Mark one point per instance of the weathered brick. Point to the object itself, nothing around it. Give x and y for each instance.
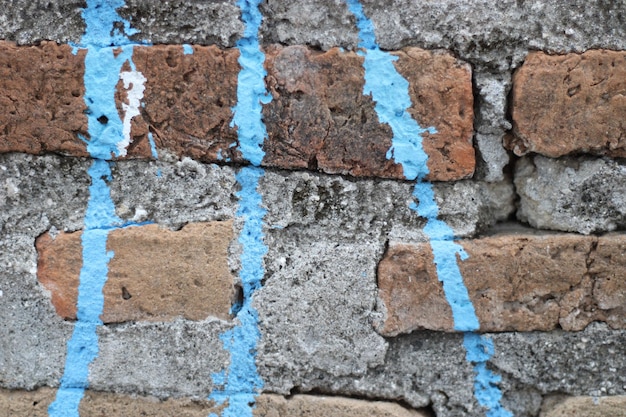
(319, 406)
(41, 97)
(519, 282)
(574, 103)
(156, 274)
(20, 403)
(583, 406)
(320, 119)
(188, 100)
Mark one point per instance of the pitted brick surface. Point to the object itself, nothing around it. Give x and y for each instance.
(155, 274)
(188, 100)
(319, 118)
(570, 104)
(41, 99)
(515, 282)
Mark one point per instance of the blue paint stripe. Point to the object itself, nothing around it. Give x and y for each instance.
(389, 91)
(102, 69)
(241, 382)
(251, 91)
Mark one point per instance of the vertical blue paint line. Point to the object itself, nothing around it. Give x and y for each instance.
(241, 382)
(389, 90)
(102, 73)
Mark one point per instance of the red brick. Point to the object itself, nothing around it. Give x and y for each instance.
(574, 103)
(41, 97)
(188, 100)
(156, 274)
(320, 119)
(515, 282)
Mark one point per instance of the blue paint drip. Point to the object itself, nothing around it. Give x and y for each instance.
(187, 49)
(102, 68)
(242, 381)
(153, 148)
(479, 350)
(82, 348)
(251, 91)
(100, 17)
(389, 90)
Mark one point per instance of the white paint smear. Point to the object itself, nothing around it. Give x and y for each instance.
(134, 84)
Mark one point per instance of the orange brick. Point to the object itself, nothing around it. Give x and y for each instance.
(515, 282)
(318, 118)
(156, 274)
(566, 104)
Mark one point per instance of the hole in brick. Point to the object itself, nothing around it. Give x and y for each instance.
(103, 119)
(125, 294)
(238, 300)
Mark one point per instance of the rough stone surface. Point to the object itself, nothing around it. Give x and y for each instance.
(429, 368)
(183, 21)
(492, 91)
(35, 404)
(42, 99)
(592, 364)
(188, 101)
(329, 291)
(566, 104)
(155, 274)
(347, 209)
(171, 359)
(571, 194)
(318, 406)
(523, 282)
(584, 406)
(27, 22)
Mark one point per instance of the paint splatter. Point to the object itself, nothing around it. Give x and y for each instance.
(108, 135)
(389, 90)
(241, 382)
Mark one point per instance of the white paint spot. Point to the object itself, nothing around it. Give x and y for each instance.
(134, 84)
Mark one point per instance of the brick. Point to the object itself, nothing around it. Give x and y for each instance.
(188, 100)
(155, 275)
(319, 118)
(520, 282)
(584, 406)
(319, 406)
(41, 97)
(20, 403)
(566, 104)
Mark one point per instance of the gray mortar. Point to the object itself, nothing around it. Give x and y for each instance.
(160, 359)
(32, 336)
(429, 368)
(185, 21)
(344, 209)
(581, 195)
(173, 193)
(315, 310)
(30, 21)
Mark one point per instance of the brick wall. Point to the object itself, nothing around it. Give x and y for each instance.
(312, 208)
